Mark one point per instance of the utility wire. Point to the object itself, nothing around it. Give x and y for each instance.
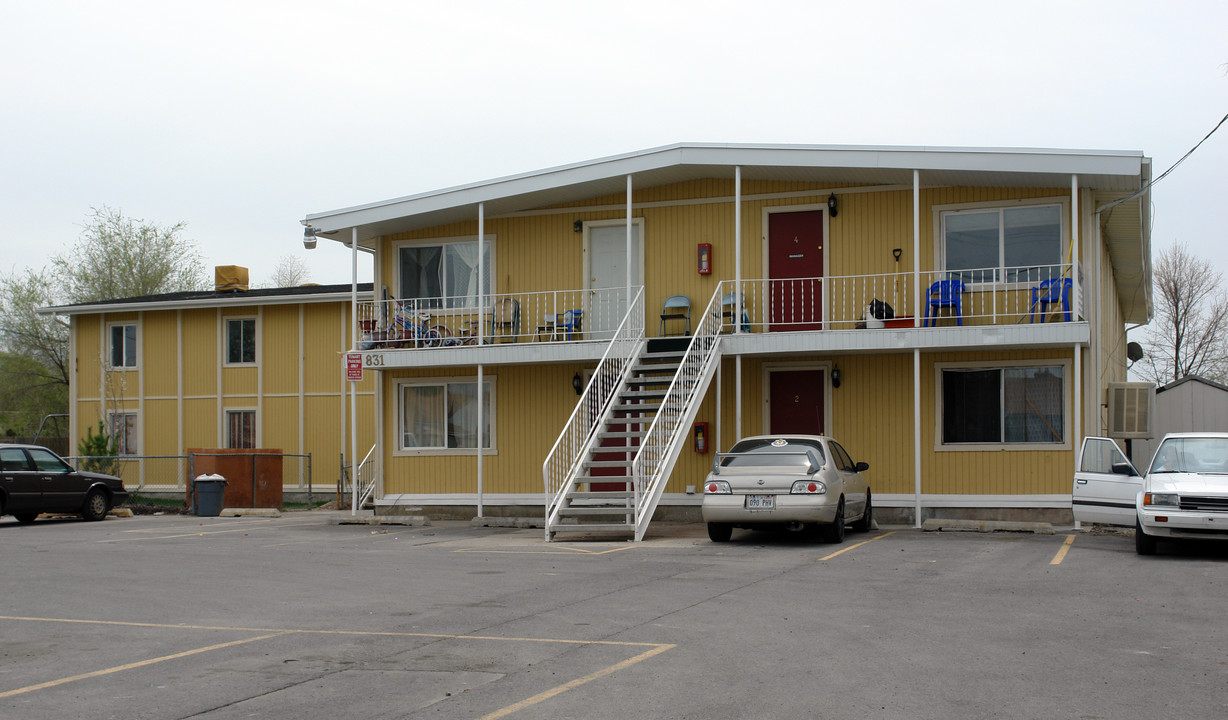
(1164, 174)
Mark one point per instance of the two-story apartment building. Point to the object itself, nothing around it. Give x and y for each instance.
(228, 368)
(951, 315)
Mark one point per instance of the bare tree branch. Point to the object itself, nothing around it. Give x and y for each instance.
(1187, 335)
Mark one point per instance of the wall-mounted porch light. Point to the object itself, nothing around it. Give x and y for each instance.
(831, 204)
(577, 383)
(577, 226)
(835, 377)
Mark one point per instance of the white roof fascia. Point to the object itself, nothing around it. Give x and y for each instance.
(240, 301)
(998, 160)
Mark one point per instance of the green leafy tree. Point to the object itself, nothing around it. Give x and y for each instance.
(117, 256)
(99, 453)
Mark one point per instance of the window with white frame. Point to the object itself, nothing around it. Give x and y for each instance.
(240, 341)
(124, 432)
(123, 346)
(1020, 243)
(443, 415)
(1003, 405)
(240, 428)
(444, 274)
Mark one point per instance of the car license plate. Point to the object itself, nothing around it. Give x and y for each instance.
(760, 502)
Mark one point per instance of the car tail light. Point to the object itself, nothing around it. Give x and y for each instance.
(808, 487)
(717, 487)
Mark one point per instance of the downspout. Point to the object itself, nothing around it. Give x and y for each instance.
(1080, 393)
(627, 300)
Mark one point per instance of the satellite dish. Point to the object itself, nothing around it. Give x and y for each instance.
(1134, 352)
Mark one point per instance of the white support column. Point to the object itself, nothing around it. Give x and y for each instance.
(716, 438)
(1076, 397)
(737, 276)
(353, 388)
(916, 435)
(1074, 247)
(916, 250)
(737, 399)
(481, 315)
(481, 287)
(630, 257)
(481, 404)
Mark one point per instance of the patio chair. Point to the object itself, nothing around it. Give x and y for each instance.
(676, 307)
(944, 293)
(1051, 292)
(728, 309)
(505, 319)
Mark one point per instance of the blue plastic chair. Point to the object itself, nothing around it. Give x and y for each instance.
(568, 323)
(1051, 292)
(944, 293)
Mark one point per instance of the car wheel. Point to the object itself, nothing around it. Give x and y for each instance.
(719, 532)
(866, 523)
(1144, 544)
(835, 532)
(95, 507)
(25, 518)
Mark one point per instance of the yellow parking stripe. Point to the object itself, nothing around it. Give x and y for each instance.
(245, 528)
(1061, 553)
(541, 697)
(130, 666)
(854, 547)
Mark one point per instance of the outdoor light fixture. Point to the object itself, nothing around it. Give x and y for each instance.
(835, 377)
(577, 383)
(309, 237)
(577, 226)
(831, 204)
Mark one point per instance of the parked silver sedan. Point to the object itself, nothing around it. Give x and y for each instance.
(795, 482)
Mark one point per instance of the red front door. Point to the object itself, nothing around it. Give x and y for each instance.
(795, 268)
(796, 402)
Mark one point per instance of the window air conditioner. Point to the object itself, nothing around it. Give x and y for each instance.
(1131, 406)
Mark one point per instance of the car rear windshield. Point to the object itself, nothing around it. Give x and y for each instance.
(774, 452)
(1192, 455)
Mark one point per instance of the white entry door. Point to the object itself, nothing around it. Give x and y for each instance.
(606, 275)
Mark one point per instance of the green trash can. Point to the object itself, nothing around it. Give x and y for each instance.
(209, 491)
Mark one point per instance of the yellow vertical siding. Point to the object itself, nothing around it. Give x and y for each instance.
(201, 354)
(160, 338)
(279, 340)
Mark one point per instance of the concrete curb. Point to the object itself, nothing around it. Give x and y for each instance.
(251, 512)
(986, 526)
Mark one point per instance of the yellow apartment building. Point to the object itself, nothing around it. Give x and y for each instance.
(226, 368)
(952, 315)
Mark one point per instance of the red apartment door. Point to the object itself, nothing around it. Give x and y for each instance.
(795, 266)
(796, 403)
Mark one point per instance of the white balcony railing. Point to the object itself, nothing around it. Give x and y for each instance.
(550, 316)
(979, 297)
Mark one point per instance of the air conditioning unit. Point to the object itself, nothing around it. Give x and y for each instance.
(1131, 406)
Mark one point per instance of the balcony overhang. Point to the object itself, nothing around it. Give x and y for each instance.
(967, 337)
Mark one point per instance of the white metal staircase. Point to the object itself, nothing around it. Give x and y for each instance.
(634, 416)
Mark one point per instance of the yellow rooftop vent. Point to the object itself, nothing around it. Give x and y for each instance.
(229, 278)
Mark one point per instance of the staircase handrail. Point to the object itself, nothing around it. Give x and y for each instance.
(680, 400)
(565, 457)
(365, 489)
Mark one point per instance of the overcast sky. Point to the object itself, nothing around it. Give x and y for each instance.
(240, 118)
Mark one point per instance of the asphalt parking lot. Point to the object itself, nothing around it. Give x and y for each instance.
(185, 617)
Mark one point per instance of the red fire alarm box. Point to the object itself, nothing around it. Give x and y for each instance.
(701, 437)
(704, 263)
